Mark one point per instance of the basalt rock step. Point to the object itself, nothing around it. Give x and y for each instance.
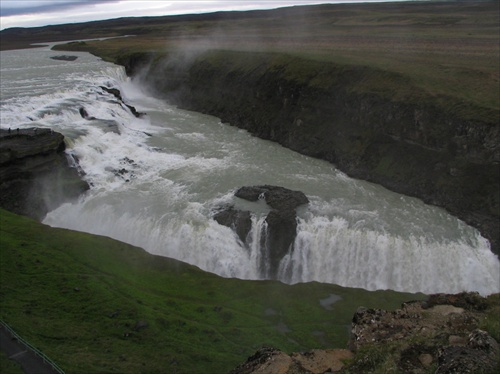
(278, 198)
(281, 222)
(64, 58)
(35, 176)
(116, 93)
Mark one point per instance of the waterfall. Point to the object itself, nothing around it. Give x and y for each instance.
(155, 181)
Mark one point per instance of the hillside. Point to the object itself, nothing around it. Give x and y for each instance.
(93, 304)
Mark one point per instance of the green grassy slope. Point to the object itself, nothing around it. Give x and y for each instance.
(93, 304)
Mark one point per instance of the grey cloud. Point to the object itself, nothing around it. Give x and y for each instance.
(48, 7)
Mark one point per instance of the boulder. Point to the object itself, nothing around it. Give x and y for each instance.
(278, 198)
(240, 221)
(64, 58)
(279, 238)
(480, 355)
(281, 222)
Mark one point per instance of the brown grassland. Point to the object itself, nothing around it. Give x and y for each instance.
(445, 48)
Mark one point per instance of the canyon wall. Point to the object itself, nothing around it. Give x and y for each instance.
(35, 176)
(371, 124)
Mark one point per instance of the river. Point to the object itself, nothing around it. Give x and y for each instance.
(156, 180)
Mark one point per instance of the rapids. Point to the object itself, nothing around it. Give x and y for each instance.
(155, 181)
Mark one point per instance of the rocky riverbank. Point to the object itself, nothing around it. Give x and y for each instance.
(34, 172)
(443, 152)
(440, 335)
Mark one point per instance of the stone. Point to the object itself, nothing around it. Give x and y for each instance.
(457, 359)
(266, 360)
(277, 241)
(278, 198)
(465, 300)
(269, 360)
(479, 339)
(319, 361)
(64, 58)
(456, 340)
(239, 221)
(281, 222)
(445, 310)
(35, 175)
(426, 359)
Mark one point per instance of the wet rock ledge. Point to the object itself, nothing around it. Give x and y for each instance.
(279, 236)
(35, 175)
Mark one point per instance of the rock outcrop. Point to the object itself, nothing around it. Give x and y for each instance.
(35, 176)
(281, 222)
(64, 58)
(269, 360)
(238, 220)
(418, 145)
(440, 335)
(116, 93)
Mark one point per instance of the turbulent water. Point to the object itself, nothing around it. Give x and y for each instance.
(156, 180)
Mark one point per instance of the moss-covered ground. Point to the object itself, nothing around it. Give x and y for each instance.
(93, 304)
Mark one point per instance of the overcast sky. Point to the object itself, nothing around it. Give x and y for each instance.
(27, 13)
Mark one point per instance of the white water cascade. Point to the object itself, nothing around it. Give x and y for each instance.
(156, 180)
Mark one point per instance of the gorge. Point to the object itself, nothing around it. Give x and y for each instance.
(183, 143)
(412, 146)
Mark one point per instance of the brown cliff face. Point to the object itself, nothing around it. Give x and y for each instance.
(34, 173)
(444, 153)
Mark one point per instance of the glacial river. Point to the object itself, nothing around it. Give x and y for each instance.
(156, 180)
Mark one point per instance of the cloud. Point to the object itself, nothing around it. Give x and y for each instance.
(18, 8)
(27, 13)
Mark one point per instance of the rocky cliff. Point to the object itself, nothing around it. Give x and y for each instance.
(440, 335)
(442, 151)
(35, 176)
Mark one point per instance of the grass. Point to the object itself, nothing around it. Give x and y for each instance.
(491, 322)
(8, 366)
(93, 304)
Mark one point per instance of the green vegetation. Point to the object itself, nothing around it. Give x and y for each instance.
(491, 323)
(9, 366)
(381, 359)
(93, 304)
